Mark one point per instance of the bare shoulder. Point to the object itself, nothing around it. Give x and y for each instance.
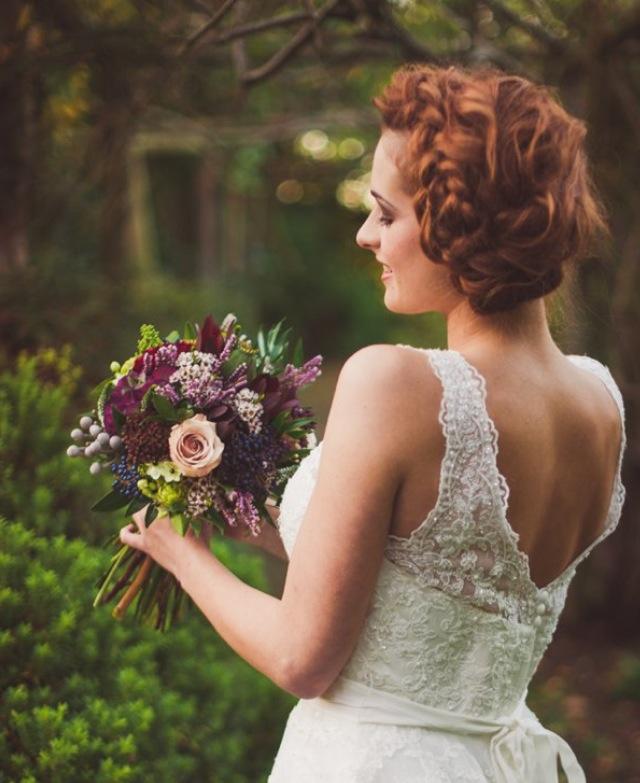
(376, 355)
(599, 393)
(391, 374)
(384, 358)
(401, 390)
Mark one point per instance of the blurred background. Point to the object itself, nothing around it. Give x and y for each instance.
(164, 160)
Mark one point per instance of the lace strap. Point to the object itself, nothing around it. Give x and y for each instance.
(469, 476)
(467, 424)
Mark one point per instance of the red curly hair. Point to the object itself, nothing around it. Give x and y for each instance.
(499, 177)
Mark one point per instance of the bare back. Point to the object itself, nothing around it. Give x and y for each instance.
(559, 438)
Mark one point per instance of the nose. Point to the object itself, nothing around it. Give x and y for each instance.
(367, 236)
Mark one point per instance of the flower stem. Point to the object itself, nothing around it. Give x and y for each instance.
(116, 560)
(134, 587)
(122, 582)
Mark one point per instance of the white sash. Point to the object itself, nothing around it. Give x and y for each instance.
(522, 749)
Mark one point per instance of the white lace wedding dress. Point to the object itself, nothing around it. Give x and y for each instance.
(435, 689)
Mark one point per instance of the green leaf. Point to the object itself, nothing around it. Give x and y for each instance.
(136, 504)
(279, 422)
(151, 514)
(118, 418)
(177, 522)
(298, 354)
(284, 340)
(213, 516)
(102, 399)
(144, 403)
(164, 407)
(303, 420)
(173, 336)
(110, 502)
(190, 331)
(273, 335)
(184, 413)
(261, 344)
(98, 389)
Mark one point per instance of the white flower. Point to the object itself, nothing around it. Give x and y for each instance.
(166, 470)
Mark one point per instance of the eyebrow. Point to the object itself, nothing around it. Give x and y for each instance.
(381, 198)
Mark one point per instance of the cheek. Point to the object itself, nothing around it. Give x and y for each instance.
(401, 245)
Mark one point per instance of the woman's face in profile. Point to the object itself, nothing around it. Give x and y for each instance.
(392, 233)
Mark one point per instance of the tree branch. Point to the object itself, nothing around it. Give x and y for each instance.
(257, 27)
(536, 31)
(281, 56)
(209, 25)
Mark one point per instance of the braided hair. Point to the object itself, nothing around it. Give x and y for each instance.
(499, 179)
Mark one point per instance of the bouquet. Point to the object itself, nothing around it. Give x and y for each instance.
(203, 428)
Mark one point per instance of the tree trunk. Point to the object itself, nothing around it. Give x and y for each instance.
(19, 109)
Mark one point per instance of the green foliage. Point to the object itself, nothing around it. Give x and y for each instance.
(40, 485)
(149, 338)
(626, 677)
(88, 699)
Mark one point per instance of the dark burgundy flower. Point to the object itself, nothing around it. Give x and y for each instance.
(128, 392)
(210, 339)
(109, 423)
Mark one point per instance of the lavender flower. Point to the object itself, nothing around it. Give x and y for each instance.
(293, 378)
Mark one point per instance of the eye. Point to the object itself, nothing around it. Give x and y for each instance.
(384, 221)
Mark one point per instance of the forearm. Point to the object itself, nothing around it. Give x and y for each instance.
(251, 622)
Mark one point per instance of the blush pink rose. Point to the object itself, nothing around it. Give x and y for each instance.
(194, 446)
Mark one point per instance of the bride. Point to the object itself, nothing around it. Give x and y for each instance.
(432, 535)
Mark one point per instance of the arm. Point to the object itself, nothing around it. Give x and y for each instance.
(302, 640)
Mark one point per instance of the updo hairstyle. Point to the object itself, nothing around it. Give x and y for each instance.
(499, 177)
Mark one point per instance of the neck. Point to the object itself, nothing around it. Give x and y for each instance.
(525, 328)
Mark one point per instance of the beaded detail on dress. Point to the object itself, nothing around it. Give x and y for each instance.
(456, 621)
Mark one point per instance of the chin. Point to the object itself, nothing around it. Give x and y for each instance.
(395, 307)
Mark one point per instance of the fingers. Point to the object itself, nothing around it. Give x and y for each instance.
(138, 518)
(129, 537)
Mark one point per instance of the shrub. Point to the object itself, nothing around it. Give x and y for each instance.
(40, 485)
(89, 699)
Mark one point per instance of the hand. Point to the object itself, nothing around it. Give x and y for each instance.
(160, 541)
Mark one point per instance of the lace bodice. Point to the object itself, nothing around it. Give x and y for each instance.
(456, 621)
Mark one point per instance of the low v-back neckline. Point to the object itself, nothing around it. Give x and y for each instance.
(511, 531)
(511, 534)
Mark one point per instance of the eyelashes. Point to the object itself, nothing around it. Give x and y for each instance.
(383, 220)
